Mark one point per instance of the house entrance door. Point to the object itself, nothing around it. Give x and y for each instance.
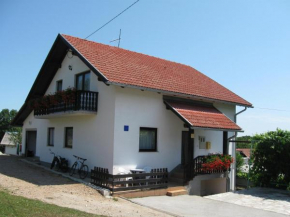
(187, 147)
(184, 148)
(30, 147)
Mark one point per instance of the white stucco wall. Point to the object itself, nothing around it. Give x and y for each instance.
(93, 135)
(214, 137)
(68, 76)
(137, 109)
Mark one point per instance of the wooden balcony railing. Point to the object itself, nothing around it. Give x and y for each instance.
(81, 101)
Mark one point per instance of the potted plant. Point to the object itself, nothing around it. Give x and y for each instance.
(67, 96)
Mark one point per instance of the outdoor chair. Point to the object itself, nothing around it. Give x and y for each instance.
(147, 169)
(122, 171)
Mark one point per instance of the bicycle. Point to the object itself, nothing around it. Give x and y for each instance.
(83, 169)
(59, 162)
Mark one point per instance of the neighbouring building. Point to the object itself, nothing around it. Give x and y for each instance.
(9, 146)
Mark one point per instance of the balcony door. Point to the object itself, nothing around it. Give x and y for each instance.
(83, 81)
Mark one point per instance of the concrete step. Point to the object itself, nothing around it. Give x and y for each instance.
(176, 193)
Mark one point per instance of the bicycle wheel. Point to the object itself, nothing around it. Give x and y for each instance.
(64, 166)
(52, 163)
(57, 165)
(73, 169)
(83, 172)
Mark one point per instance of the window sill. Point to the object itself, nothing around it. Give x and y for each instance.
(68, 147)
(148, 151)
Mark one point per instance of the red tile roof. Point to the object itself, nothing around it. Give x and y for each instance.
(203, 116)
(246, 151)
(130, 68)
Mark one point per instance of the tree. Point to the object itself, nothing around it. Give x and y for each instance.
(271, 158)
(244, 145)
(16, 135)
(6, 117)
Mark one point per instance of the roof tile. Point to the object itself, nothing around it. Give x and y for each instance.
(204, 116)
(131, 68)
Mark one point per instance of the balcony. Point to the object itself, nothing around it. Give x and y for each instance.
(69, 102)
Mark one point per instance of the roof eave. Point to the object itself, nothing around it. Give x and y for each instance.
(217, 129)
(100, 75)
(183, 95)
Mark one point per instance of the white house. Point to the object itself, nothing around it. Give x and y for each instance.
(9, 146)
(131, 110)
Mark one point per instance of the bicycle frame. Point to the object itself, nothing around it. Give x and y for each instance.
(80, 166)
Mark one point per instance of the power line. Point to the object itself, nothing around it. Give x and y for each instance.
(273, 109)
(111, 20)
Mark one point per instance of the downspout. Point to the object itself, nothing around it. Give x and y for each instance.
(239, 113)
(234, 149)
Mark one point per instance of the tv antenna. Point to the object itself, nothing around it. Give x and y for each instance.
(118, 39)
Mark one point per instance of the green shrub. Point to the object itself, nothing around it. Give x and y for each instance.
(271, 166)
(239, 161)
(242, 175)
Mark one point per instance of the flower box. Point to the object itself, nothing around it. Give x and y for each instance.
(214, 162)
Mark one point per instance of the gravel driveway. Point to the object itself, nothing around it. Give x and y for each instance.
(30, 181)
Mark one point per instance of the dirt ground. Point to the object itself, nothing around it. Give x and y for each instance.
(30, 181)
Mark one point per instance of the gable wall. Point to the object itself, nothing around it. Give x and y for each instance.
(92, 135)
(68, 76)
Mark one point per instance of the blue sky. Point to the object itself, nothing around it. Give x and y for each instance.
(244, 45)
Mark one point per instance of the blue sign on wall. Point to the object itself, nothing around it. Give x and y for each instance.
(126, 128)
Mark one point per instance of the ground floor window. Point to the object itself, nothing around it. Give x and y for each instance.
(68, 137)
(50, 137)
(147, 139)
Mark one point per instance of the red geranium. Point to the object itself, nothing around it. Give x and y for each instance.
(217, 162)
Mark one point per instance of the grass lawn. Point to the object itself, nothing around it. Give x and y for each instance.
(11, 205)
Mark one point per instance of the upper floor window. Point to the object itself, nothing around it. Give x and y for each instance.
(148, 139)
(59, 85)
(83, 81)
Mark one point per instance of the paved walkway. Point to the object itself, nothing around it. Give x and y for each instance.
(201, 207)
(261, 198)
